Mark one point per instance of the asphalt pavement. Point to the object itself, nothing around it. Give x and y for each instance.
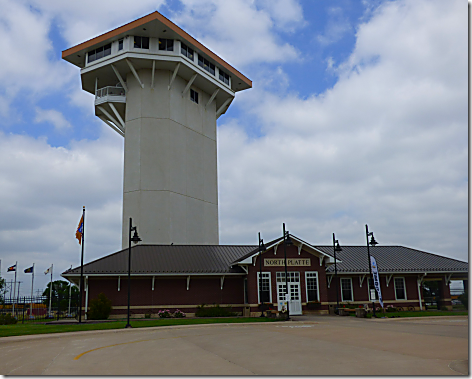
(317, 345)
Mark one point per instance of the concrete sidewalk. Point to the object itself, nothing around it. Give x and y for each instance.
(320, 345)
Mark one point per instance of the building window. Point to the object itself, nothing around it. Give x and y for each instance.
(166, 44)
(194, 96)
(264, 293)
(205, 63)
(141, 42)
(99, 53)
(224, 77)
(312, 286)
(293, 276)
(400, 289)
(371, 289)
(187, 51)
(346, 290)
(120, 44)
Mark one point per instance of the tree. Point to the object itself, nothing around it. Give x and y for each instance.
(60, 294)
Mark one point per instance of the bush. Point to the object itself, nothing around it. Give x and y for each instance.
(100, 308)
(164, 314)
(215, 311)
(147, 315)
(7, 319)
(391, 308)
(464, 299)
(178, 314)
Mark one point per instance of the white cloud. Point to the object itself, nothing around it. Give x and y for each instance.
(387, 145)
(42, 191)
(26, 49)
(52, 116)
(240, 31)
(337, 26)
(82, 20)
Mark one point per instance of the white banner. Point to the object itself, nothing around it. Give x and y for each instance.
(375, 274)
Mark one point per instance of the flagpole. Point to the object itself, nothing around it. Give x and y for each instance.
(32, 285)
(14, 290)
(81, 286)
(50, 293)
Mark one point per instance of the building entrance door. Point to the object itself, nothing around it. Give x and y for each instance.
(295, 303)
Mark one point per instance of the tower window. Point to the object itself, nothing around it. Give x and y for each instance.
(224, 77)
(205, 63)
(187, 51)
(194, 96)
(166, 44)
(99, 53)
(120, 44)
(141, 42)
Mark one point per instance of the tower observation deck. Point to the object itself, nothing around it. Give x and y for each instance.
(162, 91)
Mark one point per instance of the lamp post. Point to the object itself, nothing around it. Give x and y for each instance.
(336, 248)
(372, 242)
(135, 239)
(262, 249)
(287, 242)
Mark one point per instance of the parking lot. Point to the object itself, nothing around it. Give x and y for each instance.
(323, 345)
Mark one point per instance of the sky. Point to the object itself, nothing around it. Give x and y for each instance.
(358, 115)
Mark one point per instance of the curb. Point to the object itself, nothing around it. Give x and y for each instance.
(104, 331)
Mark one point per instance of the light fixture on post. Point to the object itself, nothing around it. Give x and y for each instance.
(336, 248)
(135, 239)
(372, 242)
(287, 242)
(262, 249)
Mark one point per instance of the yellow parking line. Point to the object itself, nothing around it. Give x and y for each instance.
(104, 347)
(127, 343)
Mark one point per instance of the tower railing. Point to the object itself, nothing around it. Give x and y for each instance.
(110, 94)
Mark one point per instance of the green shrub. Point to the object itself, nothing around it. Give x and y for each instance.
(178, 314)
(444, 308)
(100, 308)
(464, 299)
(215, 311)
(164, 314)
(7, 319)
(147, 315)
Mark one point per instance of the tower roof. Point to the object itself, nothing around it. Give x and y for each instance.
(157, 26)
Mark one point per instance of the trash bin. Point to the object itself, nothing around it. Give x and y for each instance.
(332, 309)
(246, 311)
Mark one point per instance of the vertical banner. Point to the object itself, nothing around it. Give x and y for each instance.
(375, 274)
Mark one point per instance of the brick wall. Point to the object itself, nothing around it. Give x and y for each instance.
(168, 292)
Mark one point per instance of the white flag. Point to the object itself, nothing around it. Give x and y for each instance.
(47, 271)
(375, 274)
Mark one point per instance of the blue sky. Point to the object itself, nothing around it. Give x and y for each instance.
(358, 114)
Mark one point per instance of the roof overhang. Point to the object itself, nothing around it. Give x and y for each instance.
(328, 259)
(417, 272)
(157, 26)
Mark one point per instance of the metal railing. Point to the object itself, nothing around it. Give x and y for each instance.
(36, 308)
(110, 91)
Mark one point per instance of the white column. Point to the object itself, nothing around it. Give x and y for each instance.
(86, 295)
(419, 293)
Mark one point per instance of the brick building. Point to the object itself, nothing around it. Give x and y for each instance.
(185, 276)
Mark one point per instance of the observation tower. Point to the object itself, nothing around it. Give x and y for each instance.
(163, 91)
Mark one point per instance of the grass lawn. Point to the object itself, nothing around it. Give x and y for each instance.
(29, 328)
(420, 314)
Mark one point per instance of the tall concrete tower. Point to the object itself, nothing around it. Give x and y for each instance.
(162, 91)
